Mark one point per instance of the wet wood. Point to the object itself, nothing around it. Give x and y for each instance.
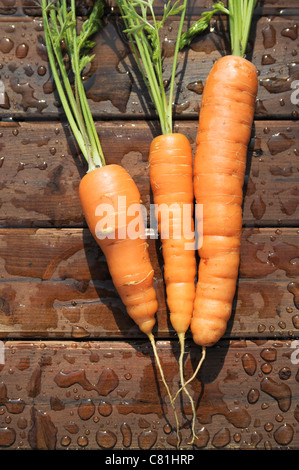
(23, 8)
(114, 86)
(55, 283)
(39, 183)
(75, 371)
(107, 395)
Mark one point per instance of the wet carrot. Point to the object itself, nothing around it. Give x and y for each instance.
(171, 176)
(224, 131)
(127, 255)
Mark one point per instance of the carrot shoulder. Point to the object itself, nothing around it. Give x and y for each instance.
(224, 131)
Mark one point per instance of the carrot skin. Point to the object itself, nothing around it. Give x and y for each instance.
(224, 131)
(127, 257)
(171, 177)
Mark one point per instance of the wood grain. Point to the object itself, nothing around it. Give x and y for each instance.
(75, 371)
(55, 283)
(95, 395)
(39, 182)
(114, 86)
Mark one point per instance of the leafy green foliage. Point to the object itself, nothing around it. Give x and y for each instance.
(60, 26)
(143, 30)
(202, 24)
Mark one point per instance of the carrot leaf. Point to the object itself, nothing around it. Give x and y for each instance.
(60, 27)
(143, 30)
(202, 24)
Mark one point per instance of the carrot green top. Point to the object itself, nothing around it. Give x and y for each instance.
(143, 28)
(240, 17)
(60, 25)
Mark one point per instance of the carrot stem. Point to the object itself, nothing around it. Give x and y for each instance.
(240, 18)
(174, 65)
(60, 25)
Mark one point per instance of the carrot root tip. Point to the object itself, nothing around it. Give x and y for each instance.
(153, 343)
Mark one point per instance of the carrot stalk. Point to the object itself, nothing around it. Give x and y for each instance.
(170, 158)
(103, 185)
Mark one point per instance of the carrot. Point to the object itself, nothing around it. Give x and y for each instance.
(127, 258)
(225, 124)
(224, 132)
(171, 178)
(171, 164)
(104, 186)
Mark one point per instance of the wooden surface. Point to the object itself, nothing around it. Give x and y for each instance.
(76, 373)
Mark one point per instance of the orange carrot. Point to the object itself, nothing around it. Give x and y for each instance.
(225, 124)
(171, 177)
(127, 257)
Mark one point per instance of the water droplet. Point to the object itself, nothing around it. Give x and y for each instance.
(106, 439)
(279, 142)
(249, 363)
(65, 441)
(269, 36)
(290, 32)
(7, 437)
(202, 437)
(126, 434)
(22, 51)
(269, 354)
(266, 368)
(147, 439)
(6, 45)
(86, 409)
(258, 208)
(197, 87)
(284, 434)
(105, 408)
(285, 373)
(267, 59)
(280, 391)
(253, 396)
(41, 70)
(82, 441)
(221, 438)
(293, 287)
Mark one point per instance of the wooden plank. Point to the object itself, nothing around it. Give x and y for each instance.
(114, 86)
(56, 284)
(95, 395)
(39, 182)
(22, 8)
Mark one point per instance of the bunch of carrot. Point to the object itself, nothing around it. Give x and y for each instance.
(224, 130)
